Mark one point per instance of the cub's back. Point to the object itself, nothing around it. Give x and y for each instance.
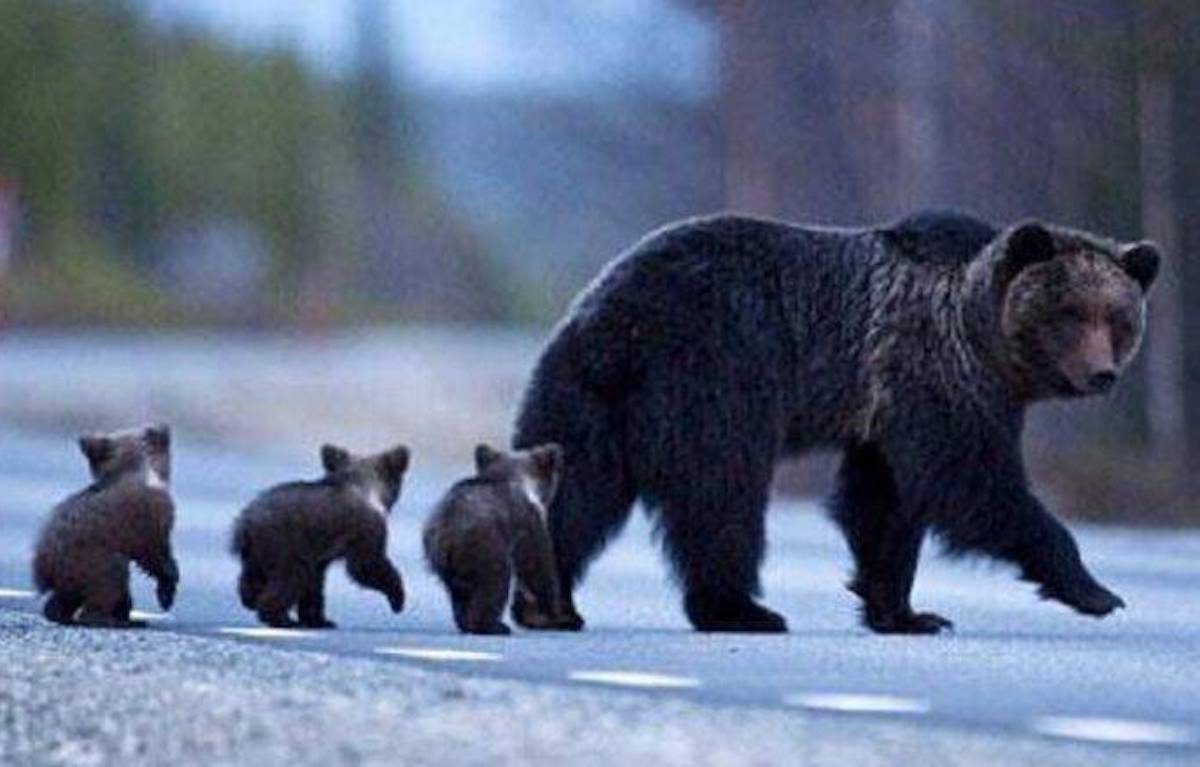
(290, 512)
(473, 509)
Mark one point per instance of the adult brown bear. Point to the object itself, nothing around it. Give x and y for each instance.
(718, 345)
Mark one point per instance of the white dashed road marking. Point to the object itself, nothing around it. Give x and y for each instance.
(1113, 730)
(16, 594)
(857, 703)
(634, 679)
(141, 615)
(264, 632)
(440, 655)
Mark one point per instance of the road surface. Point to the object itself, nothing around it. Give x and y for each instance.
(1015, 667)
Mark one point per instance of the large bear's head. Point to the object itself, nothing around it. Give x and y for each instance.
(1070, 307)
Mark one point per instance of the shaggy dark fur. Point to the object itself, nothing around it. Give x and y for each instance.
(83, 553)
(718, 345)
(289, 535)
(491, 526)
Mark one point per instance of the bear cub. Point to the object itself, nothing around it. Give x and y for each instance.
(290, 534)
(491, 526)
(125, 515)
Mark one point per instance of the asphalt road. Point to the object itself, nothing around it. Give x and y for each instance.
(1014, 665)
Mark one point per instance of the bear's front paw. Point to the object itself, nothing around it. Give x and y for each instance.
(1094, 600)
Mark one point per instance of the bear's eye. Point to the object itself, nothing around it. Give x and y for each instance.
(1072, 314)
(1121, 323)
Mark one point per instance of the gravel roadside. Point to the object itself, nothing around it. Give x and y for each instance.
(77, 697)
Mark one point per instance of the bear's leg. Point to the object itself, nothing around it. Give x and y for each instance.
(62, 606)
(278, 597)
(483, 602)
(312, 601)
(703, 440)
(885, 545)
(715, 535)
(1024, 533)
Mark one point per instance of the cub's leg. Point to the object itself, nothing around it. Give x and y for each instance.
(312, 601)
(251, 583)
(367, 564)
(280, 594)
(62, 606)
(107, 601)
(884, 544)
(483, 601)
(538, 604)
(159, 563)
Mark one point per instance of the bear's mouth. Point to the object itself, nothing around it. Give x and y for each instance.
(1097, 386)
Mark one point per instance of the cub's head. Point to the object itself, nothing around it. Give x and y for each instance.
(143, 453)
(376, 478)
(533, 472)
(1072, 307)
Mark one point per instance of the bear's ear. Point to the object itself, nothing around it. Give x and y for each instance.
(97, 448)
(158, 437)
(1140, 260)
(334, 458)
(1028, 243)
(395, 461)
(485, 456)
(547, 461)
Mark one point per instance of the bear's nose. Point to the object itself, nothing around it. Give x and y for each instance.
(1102, 381)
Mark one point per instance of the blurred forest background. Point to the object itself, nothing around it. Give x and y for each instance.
(317, 165)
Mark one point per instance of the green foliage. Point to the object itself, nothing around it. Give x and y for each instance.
(82, 277)
(112, 126)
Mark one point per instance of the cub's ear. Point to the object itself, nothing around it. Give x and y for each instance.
(1028, 243)
(485, 456)
(96, 448)
(396, 461)
(1141, 260)
(547, 460)
(334, 458)
(158, 436)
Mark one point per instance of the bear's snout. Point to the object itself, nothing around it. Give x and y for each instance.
(1091, 366)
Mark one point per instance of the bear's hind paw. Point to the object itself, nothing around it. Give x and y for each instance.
(908, 623)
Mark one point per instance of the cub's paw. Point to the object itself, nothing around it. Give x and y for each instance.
(318, 623)
(166, 594)
(907, 622)
(499, 628)
(283, 621)
(93, 619)
(527, 615)
(396, 601)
